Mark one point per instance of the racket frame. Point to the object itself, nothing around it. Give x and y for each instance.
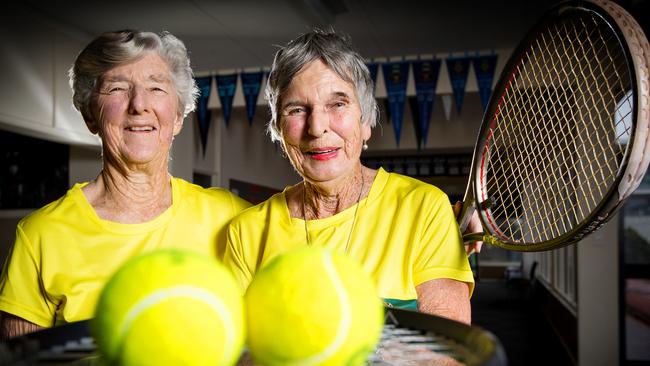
(619, 190)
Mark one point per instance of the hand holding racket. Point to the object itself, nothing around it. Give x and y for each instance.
(564, 140)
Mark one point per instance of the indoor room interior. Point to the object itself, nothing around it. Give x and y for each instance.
(583, 304)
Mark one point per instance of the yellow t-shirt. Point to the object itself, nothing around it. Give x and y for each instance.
(405, 234)
(64, 253)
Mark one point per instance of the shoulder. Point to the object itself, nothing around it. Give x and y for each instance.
(64, 208)
(262, 211)
(218, 198)
(404, 186)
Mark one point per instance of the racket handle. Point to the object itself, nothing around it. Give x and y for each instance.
(465, 215)
(470, 237)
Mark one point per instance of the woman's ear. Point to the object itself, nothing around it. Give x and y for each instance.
(366, 131)
(178, 124)
(283, 149)
(91, 123)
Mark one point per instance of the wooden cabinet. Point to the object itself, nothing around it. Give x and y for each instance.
(35, 98)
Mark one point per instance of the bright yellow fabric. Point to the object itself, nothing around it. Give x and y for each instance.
(64, 253)
(405, 234)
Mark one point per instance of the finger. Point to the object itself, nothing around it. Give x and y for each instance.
(457, 207)
(470, 249)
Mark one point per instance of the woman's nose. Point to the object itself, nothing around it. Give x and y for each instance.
(138, 100)
(318, 122)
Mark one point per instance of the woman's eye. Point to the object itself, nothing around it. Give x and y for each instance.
(295, 111)
(112, 90)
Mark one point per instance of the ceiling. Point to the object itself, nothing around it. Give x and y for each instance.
(227, 34)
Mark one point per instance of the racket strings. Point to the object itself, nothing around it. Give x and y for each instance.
(554, 197)
(559, 125)
(404, 346)
(524, 173)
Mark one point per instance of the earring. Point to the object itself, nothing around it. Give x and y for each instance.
(364, 146)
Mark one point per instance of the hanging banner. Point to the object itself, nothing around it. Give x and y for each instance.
(373, 67)
(203, 114)
(386, 106)
(446, 105)
(251, 83)
(415, 117)
(395, 78)
(425, 74)
(458, 68)
(484, 67)
(226, 86)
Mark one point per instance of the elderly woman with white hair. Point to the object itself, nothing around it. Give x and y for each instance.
(401, 230)
(133, 90)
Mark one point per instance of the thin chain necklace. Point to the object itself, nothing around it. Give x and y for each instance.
(354, 218)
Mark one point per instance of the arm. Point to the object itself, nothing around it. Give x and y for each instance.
(12, 326)
(445, 297)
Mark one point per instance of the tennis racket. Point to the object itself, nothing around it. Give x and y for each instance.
(408, 338)
(564, 140)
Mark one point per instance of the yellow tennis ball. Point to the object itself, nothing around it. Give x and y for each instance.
(170, 307)
(311, 306)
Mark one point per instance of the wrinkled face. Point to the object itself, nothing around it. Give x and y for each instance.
(136, 112)
(320, 121)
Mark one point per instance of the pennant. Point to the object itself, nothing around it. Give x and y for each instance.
(386, 106)
(458, 68)
(425, 73)
(203, 114)
(446, 105)
(251, 83)
(415, 117)
(484, 67)
(226, 86)
(373, 67)
(395, 78)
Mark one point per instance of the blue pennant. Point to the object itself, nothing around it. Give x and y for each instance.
(373, 67)
(203, 114)
(458, 68)
(226, 86)
(484, 67)
(425, 73)
(251, 83)
(395, 78)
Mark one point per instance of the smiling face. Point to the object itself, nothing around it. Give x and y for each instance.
(320, 121)
(136, 112)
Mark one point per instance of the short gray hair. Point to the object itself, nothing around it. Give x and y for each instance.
(113, 49)
(335, 51)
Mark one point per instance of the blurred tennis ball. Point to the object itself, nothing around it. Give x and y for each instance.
(170, 307)
(311, 306)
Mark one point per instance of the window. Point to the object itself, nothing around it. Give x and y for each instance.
(635, 276)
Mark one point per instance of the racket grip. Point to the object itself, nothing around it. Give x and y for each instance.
(470, 237)
(465, 215)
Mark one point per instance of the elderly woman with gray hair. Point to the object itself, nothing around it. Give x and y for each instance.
(401, 230)
(133, 90)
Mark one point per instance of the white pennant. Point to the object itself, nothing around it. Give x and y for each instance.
(446, 105)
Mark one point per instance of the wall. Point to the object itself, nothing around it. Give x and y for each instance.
(459, 131)
(85, 164)
(248, 154)
(598, 310)
(181, 155)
